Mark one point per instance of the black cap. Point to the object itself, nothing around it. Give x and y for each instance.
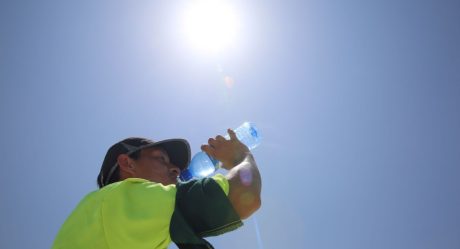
(178, 151)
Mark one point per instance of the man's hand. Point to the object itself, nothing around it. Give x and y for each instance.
(243, 174)
(230, 152)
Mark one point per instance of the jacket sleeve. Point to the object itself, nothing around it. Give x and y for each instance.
(202, 209)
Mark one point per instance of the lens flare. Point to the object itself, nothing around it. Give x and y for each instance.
(229, 82)
(246, 177)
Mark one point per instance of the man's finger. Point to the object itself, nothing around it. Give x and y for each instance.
(212, 142)
(232, 134)
(220, 138)
(208, 149)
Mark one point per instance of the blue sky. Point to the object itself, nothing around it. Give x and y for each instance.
(358, 103)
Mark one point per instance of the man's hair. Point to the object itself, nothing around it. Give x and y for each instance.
(116, 174)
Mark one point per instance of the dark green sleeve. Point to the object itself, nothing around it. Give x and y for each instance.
(202, 210)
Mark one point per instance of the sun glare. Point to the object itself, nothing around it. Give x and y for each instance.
(210, 25)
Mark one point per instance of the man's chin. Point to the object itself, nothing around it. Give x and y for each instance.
(171, 181)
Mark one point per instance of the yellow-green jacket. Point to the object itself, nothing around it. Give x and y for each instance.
(134, 213)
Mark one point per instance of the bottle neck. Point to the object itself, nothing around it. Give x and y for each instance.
(185, 175)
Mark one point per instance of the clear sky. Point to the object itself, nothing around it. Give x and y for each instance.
(358, 103)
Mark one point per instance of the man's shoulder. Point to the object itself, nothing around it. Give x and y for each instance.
(134, 188)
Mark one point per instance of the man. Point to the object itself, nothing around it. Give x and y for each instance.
(141, 204)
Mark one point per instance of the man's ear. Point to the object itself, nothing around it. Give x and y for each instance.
(126, 165)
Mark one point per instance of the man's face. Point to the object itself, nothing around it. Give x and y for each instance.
(154, 165)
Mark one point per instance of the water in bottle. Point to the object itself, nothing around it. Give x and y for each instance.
(203, 165)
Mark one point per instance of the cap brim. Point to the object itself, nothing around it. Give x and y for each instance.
(178, 151)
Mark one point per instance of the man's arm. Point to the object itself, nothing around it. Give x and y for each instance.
(243, 174)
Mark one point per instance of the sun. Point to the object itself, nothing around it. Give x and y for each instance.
(210, 25)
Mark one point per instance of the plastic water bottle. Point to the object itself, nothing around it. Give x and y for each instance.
(203, 165)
